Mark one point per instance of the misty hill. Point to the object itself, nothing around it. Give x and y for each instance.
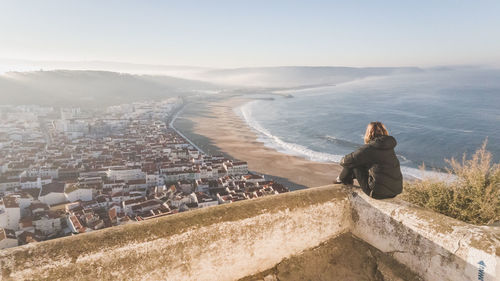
(296, 76)
(91, 88)
(133, 68)
(253, 77)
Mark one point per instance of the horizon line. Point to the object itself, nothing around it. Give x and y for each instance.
(45, 61)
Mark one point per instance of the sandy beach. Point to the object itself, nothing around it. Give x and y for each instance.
(217, 122)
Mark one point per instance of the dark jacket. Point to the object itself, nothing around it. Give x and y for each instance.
(385, 179)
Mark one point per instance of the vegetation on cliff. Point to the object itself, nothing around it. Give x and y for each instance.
(473, 194)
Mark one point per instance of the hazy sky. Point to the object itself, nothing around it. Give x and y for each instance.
(253, 33)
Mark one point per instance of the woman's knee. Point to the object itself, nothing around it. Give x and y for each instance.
(346, 176)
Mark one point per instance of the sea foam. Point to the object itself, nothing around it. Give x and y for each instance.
(274, 142)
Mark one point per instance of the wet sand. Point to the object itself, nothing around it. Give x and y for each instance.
(217, 122)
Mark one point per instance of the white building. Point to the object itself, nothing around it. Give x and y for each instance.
(184, 175)
(201, 186)
(24, 200)
(115, 187)
(206, 173)
(9, 185)
(70, 113)
(122, 173)
(128, 204)
(239, 168)
(74, 193)
(49, 172)
(146, 206)
(10, 213)
(8, 238)
(48, 225)
(52, 193)
(179, 200)
(31, 183)
(193, 153)
(36, 182)
(154, 180)
(207, 203)
(255, 179)
(44, 172)
(137, 184)
(186, 186)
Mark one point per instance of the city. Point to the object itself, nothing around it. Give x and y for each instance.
(71, 171)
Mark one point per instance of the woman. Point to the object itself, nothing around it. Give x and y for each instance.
(374, 165)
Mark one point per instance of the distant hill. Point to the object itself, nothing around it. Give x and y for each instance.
(91, 88)
(132, 68)
(94, 88)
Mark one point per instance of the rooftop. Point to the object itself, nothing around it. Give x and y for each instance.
(55, 187)
(7, 233)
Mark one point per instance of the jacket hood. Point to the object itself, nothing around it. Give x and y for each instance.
(383, 142)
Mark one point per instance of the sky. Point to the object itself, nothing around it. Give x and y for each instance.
(238, 33)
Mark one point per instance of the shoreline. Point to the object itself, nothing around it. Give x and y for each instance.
(409, 173)
(217, 129)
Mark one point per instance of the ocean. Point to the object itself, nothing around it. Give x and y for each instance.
(434, 114)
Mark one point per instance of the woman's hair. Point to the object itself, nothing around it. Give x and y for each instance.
(375, 129)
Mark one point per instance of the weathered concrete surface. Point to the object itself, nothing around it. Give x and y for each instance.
(341, 258)
(232, 241)
(218, 243)
(433, 245)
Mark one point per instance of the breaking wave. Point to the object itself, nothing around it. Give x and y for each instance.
(278, 144)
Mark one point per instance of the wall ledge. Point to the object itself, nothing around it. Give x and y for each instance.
(235, 240)
(434, 245)
(223, 242)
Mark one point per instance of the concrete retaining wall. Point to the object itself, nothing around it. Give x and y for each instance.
(240, 239)
(217, 243)
(433, 245)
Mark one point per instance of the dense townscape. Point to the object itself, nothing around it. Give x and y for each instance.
(69, 171)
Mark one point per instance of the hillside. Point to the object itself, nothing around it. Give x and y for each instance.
(96, 88)
(91, 88)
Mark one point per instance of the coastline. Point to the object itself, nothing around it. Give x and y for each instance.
(217, 129)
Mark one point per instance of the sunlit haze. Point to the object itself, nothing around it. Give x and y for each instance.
(253, 33)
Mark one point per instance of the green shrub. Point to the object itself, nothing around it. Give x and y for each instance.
(472, 195)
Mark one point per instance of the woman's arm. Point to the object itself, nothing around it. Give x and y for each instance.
(360, 157)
